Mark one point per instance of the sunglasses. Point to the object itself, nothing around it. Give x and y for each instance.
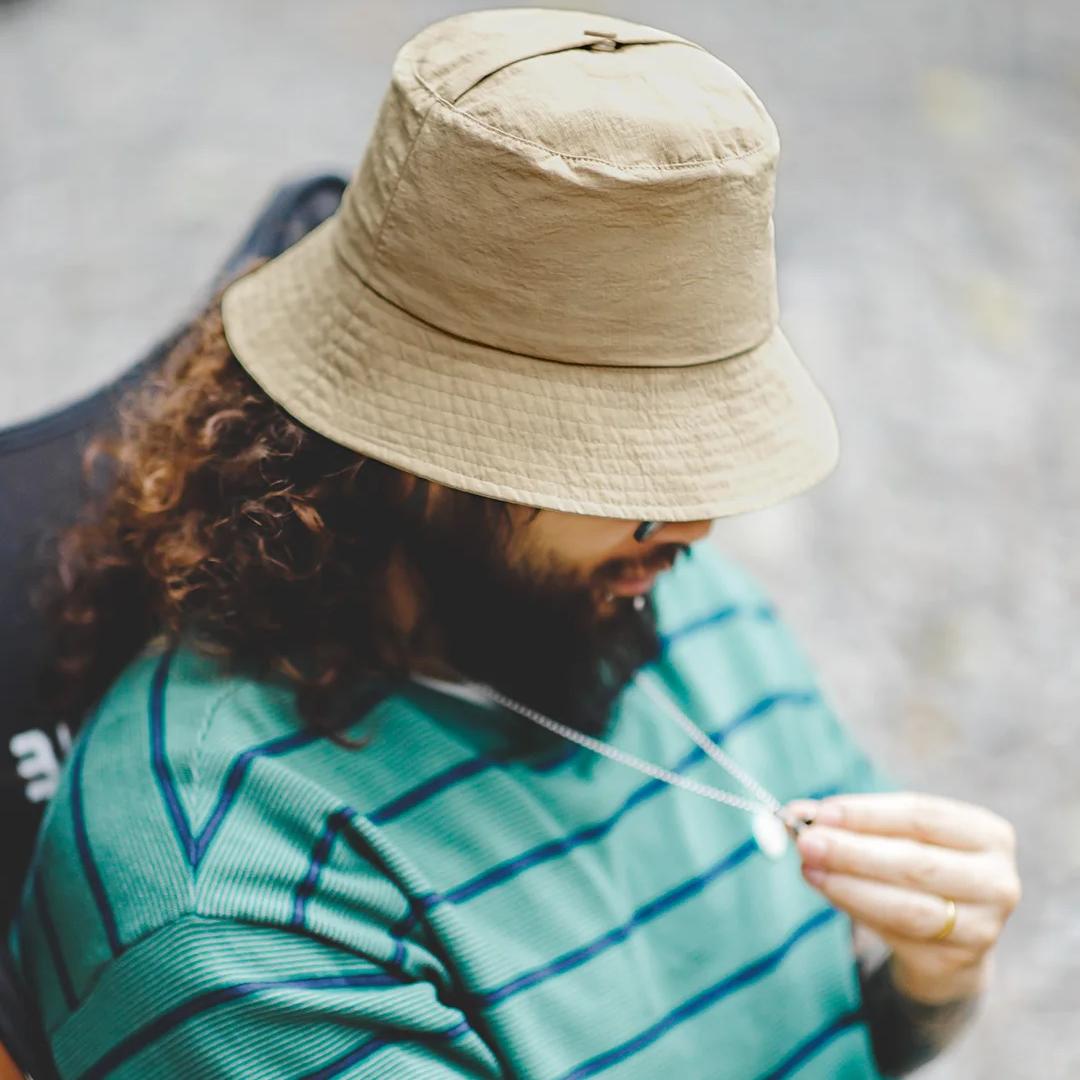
(646, 529)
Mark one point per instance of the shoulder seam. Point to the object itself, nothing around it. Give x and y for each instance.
(207, 723)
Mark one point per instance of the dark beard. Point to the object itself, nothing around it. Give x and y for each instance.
(540, 638)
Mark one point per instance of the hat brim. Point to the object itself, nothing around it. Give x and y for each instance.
(660, 443)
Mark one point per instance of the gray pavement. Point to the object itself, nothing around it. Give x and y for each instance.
(928, 230)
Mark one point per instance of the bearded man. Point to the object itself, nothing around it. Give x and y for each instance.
(426, 734)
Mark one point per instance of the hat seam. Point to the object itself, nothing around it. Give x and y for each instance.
(546, 488)
(434, 415)
(349, 268)
(787, 482)
(388, 208)
(434, 410)
(574, 157)
(665, 374)
(407, 455)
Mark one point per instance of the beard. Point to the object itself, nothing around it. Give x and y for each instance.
(542, 636)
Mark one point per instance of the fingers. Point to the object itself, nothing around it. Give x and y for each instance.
(979, 877)
(931, 819)
(899, 914)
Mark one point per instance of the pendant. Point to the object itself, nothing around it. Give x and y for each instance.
(771, 835)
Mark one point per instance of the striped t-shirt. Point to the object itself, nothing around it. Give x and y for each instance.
(219, 892)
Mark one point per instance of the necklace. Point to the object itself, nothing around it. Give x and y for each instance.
(770, 827)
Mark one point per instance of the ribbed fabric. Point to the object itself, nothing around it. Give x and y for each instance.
(219, 893)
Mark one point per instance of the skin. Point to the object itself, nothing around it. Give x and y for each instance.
(602, 548)
(889, 859)
(885, 859)
(598, 548)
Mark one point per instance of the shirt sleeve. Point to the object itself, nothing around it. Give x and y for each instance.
(206, 997)
(906, 1034)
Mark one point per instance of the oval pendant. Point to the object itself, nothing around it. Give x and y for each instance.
(770, 834)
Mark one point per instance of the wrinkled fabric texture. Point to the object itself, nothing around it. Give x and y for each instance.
(433, 905)
(552, 279)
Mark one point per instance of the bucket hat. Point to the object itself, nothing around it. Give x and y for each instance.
(551, 279)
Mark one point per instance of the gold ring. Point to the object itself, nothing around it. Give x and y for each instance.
(950, 920)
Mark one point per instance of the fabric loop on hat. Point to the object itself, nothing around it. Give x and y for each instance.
(455, 76)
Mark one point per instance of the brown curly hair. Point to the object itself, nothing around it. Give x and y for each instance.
(227, 522)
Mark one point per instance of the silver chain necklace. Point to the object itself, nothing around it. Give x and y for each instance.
(771, 828)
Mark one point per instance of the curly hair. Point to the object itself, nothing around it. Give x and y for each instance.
(226, 522)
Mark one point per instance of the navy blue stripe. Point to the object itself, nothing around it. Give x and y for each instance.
(554, 849)
(439, 782)
(764, 612)
(421, 904)
(235, 777)
(223, 995)
(82, 843)
(365, 1050)
(821, 1038)
(53, 940)
(464, 770)
(306, 888)
(560, 757)
(398, 959)
(644, 915)
(368, 847)
(455, 774)
(747, 974)
(195, 847)
(160, 761)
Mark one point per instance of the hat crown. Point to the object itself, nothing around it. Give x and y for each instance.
(600, 198)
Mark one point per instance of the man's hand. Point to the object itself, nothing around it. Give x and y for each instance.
(892, 861)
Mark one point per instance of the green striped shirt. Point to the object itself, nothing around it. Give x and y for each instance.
(220, 892)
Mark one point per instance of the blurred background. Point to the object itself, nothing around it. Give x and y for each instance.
(927, 232)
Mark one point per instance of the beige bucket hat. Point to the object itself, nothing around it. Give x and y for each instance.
(551, 280)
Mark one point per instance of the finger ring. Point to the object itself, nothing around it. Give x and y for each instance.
(950, 920)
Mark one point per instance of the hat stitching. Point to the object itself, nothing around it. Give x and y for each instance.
(390, 202)
(426, 389)
(571, 157)
(476, 455)
(489, 377)
(723, 411)
(787, 479)
(543, 387)
(414, 409)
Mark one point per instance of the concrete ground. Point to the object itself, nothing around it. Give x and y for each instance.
(927, 229)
